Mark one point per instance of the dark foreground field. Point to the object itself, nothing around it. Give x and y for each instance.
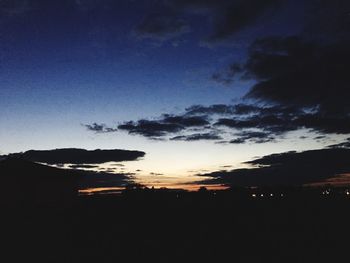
(179, 228)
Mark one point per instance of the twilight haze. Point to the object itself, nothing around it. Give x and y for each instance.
(195, 92)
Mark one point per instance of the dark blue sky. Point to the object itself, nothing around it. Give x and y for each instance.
(66, 64)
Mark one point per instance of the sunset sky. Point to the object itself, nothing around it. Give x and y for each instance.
(199, 86)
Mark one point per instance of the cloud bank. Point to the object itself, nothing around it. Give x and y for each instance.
(290, 168)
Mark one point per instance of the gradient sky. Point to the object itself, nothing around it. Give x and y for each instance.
(70, 63)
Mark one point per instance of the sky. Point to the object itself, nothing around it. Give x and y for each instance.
(199, 86)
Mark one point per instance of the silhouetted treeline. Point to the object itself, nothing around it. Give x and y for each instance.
(44, 219)
(174, 226)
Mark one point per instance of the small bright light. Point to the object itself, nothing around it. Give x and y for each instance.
(262, 195)
(347, 193)
(271, 194)
(254, 195)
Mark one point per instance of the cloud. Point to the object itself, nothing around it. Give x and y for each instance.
(299, 83)
(327, 19)
(150, 128)
(253, 136)
(167, 124)
(290, 168)
(236, 123)
(345, 144)
(226, 77)
(295, 72)
(274, 121)
(221, 109)
(99, 128)
(84, 166)
(197, 137)
(237, 15)
(77, 156)
(185, 121)
(291, 71)
(161, 27)
(227, 17)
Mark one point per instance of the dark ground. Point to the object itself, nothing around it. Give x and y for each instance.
(166, 227)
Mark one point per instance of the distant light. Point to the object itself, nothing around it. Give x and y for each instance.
(271, 194)
(347, 192)
(262, 195)
(254, 195)
(281, 195)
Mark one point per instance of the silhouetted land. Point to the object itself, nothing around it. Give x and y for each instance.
(146, 225)
(164, 226)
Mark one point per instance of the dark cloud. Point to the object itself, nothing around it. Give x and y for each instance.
(222, 79)
(328, 19)
(156, 174)
(345, 144)
(226, 17)
(186, 121)
(99, 128)
(307, 81)
(275, 120)
(252, 123)
(320, 137)
(237, 141)
(162, 27)
(254, 137)
(229, 17)
(291, 71)
(238, 15)
(78, 156)
(222, 109)
(290, 168)
(299, 73)
(197, 137)
(149, 128)
(277, 123)
(228, 75)
(79, 166)
(271, 121)
(168, 124)
(337, 124)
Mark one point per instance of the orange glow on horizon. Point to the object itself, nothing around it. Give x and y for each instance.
(118, 190)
